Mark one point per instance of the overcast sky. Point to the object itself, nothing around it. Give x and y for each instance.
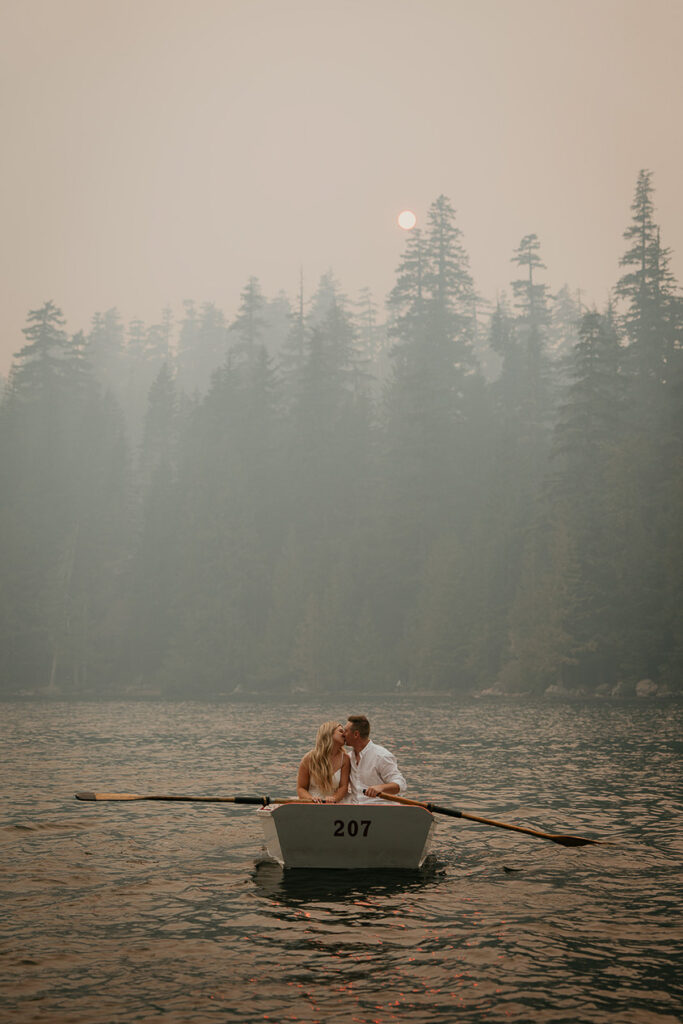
(159, 150)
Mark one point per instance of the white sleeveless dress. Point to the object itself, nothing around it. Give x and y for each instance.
(336, 780)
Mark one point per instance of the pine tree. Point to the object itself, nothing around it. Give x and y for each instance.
(330, 385)
(587, 437)
(292, 356)
(105, 350)
(159, 342)
(248, 328)
(590, 421)
(42, 362)
(407, 302)
(148, 349)
(649, 473)
(202, 346)
(518, 448)
(277, 316)
(61, 523)
(487, 361)
(327, 294)
(427, 483)
(136, 347)
(504, 341)
(427, 398)
(371, 336)
(230, 525)
(77, 369)
(136, 343)
(649, 292)
(96, 551)
(451, 290)
(35, 437)
(522, 394)
(531, 299)
(562, 336)
(431, 321)
(187, 348)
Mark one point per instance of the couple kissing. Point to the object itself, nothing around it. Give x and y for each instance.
(330, 775)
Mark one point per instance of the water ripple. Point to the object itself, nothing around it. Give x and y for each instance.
(143, 911)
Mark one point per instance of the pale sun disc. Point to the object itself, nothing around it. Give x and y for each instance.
(407, 220)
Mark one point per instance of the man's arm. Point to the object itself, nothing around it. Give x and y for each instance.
(392, 780)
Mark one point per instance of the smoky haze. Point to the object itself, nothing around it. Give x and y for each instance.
(257, 439)
(155, 151)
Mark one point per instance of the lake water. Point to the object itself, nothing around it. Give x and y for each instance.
(145, 912)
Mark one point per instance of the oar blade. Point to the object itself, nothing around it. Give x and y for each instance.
(576, 841)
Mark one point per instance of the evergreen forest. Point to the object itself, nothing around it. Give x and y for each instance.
(446, 492)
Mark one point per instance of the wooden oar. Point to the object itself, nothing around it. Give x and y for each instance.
(562, 840)
(262, 801)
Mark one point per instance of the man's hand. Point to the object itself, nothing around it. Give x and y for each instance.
(388, 787)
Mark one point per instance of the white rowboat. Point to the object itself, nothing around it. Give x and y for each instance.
(350, 836)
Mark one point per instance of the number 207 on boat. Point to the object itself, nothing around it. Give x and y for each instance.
(351, 828)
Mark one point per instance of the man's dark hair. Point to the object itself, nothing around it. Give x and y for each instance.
(360, 725)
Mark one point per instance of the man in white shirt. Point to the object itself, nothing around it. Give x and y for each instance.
(373, 768)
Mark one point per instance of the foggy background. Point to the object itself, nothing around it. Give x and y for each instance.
(254, 437)
(156, 150)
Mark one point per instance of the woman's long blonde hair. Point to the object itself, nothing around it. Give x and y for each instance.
(320, 758)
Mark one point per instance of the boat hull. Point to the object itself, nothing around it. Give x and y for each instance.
(347, 836)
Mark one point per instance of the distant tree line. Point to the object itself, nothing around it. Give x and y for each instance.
(312, 497)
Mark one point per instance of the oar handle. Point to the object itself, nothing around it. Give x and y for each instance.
(415, 803)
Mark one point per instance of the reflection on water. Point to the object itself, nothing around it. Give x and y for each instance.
(146, 912)
(302, 886)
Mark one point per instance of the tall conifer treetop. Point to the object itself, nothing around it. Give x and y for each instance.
(42, 360)
(648, 290)
(531, 296)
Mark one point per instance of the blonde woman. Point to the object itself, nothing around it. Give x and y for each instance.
(324, 771)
